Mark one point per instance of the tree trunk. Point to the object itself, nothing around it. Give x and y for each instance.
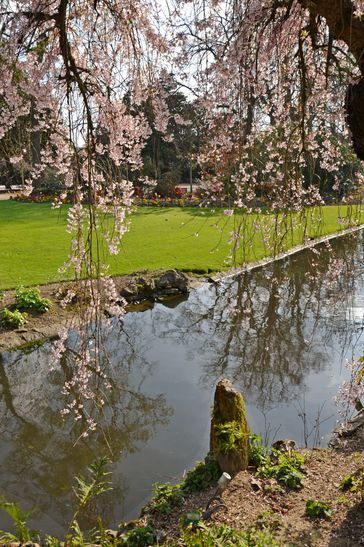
(35, 137)
(345, 26)
(342, 23)
(229, 435)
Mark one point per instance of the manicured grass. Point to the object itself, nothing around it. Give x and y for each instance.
(34, 243)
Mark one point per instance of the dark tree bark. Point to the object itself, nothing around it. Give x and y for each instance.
(344, 26)
(35, 138)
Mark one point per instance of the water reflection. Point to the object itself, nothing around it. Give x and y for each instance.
(39, 453)
(280, 333)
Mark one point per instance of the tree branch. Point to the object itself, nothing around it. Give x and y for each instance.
(342, 22)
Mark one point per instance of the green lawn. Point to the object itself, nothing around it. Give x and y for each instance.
(34, 243)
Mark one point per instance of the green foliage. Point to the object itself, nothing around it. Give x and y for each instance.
(287, 470)
(13, 319)
(88, 488)
(212, 536)
(318, 509)
(353, 482)
(139, 537)
(76, 538)
(19, 518)
(360, 374)
(268, 520)
(166, 498)
(228, 436)
(31, 300)
(52, 541)
(343, 500)
(192, 518)
(202, 476)
(258, 454)
(224, 536)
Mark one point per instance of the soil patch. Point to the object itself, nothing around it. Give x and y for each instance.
(260, 503)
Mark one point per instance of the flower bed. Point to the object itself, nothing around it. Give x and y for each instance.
(159, 201)
(150, 201)
(38, 197)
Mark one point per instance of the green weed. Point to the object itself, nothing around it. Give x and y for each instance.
(353, 482)
(287, 470)
(13, 319)
(318, 509)
(88, 488)
(24, 534)
(166, 498)
(224, 536)
(258, 453)
(31, 300)
(202, 476)
(139, 537)
(228, 436)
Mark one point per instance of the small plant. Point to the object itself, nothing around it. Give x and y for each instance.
(268, 520)
(353, 482)
(258, 454)
(191, 519)
(12, 319)
(343, 500)
(24, 534)
(166, 497)
(212, 536)
(287, 470)
(88, 488)
(228, 436)
(202, 476)
(216, 536)
(318, 509)
(30, 299)
(139, 537)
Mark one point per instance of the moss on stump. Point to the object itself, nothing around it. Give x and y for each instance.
(229, 435)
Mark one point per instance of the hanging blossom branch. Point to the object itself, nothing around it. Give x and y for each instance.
(273, 79)
(81, 70)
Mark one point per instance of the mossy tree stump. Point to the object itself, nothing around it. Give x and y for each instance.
(229, 435)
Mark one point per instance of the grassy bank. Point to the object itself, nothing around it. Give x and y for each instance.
(34, 243)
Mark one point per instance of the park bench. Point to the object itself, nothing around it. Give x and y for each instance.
(15, 187)
(3, 188)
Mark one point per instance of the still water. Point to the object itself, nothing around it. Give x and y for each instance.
(281, 334)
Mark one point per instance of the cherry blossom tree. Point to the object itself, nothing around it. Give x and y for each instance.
(277, 71)
(69, 64)
(277, 80)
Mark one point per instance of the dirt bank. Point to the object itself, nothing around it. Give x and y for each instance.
(251, 502)
(139, 290)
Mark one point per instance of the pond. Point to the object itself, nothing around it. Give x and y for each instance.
(281, 333)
